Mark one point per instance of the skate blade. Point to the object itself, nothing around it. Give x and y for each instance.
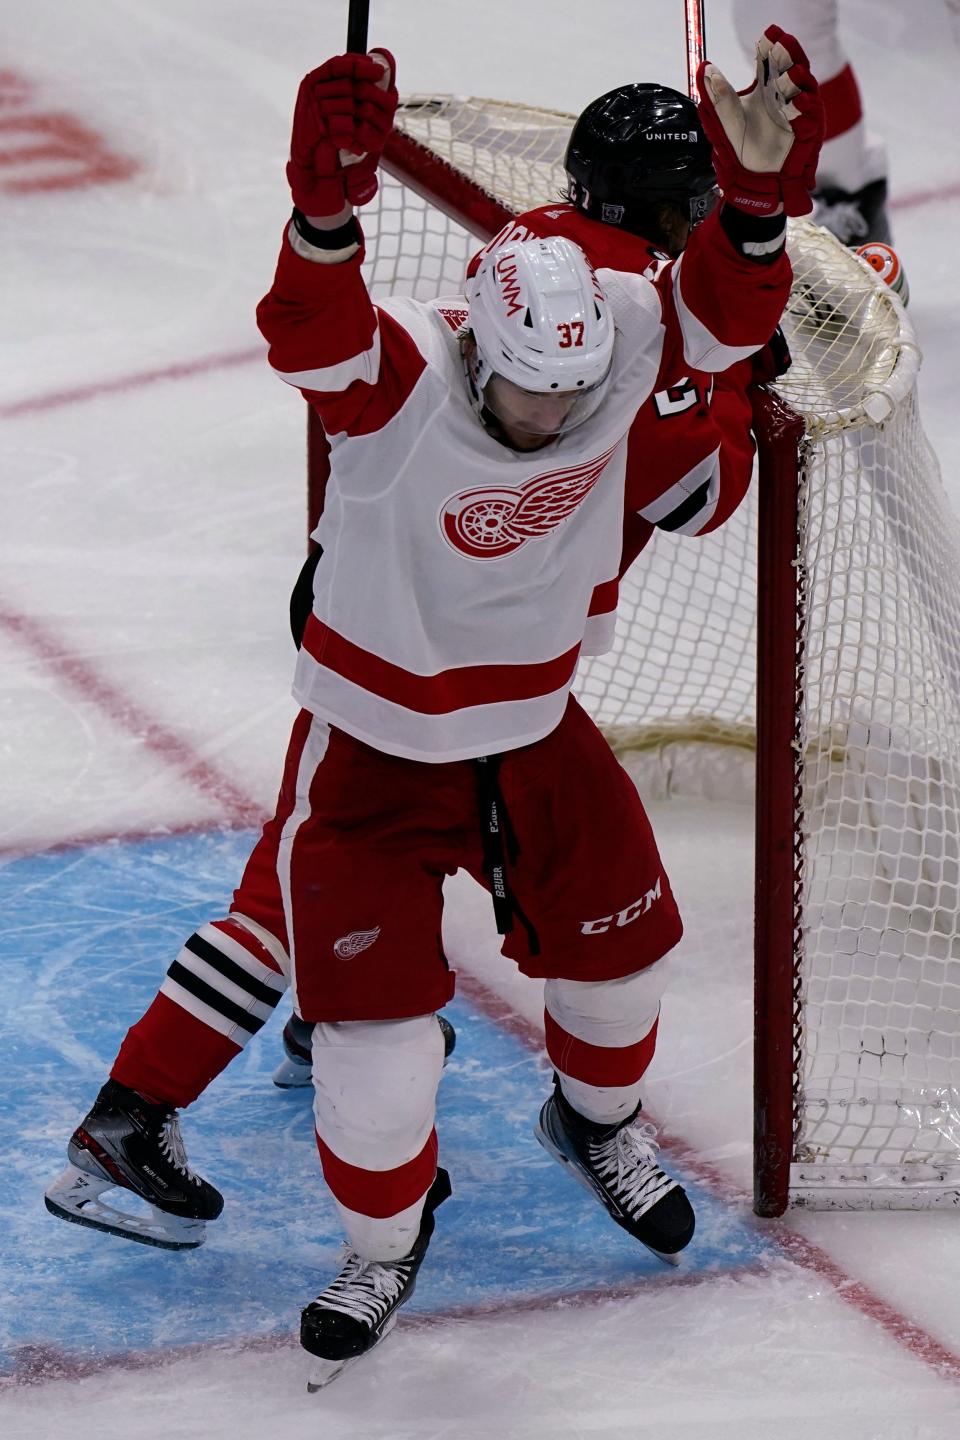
(75, 1197)
(292, 1075)
(323, 1372)
(577, 1174)
(667, 1259)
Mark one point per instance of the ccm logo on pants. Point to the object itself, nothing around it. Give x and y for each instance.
(622, 917)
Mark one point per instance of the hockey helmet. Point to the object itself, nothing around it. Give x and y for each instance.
(543, 335)
(636, 147)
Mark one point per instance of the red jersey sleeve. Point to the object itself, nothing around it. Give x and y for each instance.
(723, 304)
(354, 363)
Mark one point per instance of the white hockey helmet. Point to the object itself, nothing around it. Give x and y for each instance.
(542, 324)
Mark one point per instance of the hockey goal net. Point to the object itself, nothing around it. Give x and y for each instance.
(840, 576)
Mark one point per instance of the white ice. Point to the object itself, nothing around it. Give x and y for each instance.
(154, 531)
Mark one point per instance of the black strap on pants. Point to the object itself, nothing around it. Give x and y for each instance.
(499, 846)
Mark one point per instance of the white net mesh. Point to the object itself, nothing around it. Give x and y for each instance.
(878, 984)
(879, 993)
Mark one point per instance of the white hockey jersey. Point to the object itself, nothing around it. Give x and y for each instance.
(461, 580)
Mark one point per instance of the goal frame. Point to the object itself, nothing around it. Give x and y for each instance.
(780, 435)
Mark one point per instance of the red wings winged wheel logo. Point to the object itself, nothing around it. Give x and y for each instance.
(495, 520)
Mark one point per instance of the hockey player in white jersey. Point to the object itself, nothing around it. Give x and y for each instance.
(478, 458)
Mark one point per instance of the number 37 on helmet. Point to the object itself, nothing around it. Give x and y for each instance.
(543, 337)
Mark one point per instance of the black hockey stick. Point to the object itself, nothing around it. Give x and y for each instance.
(358, 23)
(301, 601)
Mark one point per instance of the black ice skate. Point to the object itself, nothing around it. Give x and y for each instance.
(618, 1164)
(449, 1037)
(855, 217)
(294, 1070)
(360, 1308)
(126, 1141)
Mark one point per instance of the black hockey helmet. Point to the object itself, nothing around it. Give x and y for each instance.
(635, 148)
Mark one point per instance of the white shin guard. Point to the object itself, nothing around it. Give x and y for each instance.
(375, 1086)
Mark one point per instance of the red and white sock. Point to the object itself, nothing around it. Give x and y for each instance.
(601, 1037)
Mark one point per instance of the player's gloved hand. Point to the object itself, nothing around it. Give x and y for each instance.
(343, 115)
(766, 139)
(773, 360)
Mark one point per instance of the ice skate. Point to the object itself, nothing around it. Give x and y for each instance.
(618, 1164)
(855, 217)
(359, 1309)
(126, 1141)
(449, 1037)
(294, 1070)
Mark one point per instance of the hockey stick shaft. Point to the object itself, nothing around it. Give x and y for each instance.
(318, 447)
(696, 42)
(358, 23)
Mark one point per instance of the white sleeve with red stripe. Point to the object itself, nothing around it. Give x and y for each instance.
(355, 364)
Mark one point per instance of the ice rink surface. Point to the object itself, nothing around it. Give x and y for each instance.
(152, 522)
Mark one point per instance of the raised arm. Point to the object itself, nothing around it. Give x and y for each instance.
(342, 117)
(729, 287)
(354, 364)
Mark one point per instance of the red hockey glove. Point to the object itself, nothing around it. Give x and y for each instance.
(343, 115)
(772, 361)
(766, 139)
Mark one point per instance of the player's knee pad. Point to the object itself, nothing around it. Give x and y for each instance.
(230, 975)
(375, 1086)
(610, 1013)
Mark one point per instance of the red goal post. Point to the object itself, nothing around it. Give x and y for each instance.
(811, 641)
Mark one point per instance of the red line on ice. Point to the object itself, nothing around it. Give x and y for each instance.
(912, 1337)
(238, 809)
(24, 849)
(913, 200)
(42, 1364)
(182, 370)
